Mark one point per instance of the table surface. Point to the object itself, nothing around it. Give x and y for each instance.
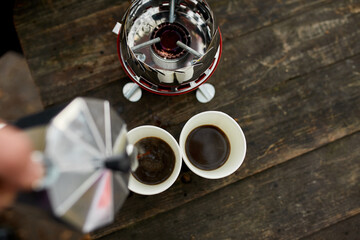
(289, 75)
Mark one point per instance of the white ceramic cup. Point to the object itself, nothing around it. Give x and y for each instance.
(141, 132)
(231, 129)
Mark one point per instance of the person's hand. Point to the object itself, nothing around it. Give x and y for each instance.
(17, 170)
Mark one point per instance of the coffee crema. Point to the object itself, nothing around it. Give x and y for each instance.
(207, 147)
(156, 161)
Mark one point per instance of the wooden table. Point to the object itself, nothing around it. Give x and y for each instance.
(289, 75)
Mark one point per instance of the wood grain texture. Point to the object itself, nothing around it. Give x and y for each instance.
(289, 75)
(28, 223)
(70, 47)
(251, 63)
(18, 94)
(294, 125)
(283, 116)
(237, 18)
(304, 195)
(347, 229)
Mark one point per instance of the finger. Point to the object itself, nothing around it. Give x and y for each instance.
(16, 166)
(31, 174)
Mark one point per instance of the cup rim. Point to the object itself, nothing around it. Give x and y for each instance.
(160, 187)
(209, 174)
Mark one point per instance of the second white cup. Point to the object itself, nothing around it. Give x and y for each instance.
(232, 131)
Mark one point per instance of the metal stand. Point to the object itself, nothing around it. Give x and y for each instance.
(205, 93)
(132, 92)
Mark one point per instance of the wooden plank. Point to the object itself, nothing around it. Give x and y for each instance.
(282, 118)
(237, 18)
(29, 223)
(288, 201)
(15, 79)
(43, 15)
(280, 123)
(345, 230)
(249, 67)
(72, 56)
(68, 59)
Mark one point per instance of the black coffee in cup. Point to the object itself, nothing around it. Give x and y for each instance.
(156, 160)
(207, 147)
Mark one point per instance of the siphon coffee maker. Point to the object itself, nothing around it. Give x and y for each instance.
(87, 161)
(169, 47)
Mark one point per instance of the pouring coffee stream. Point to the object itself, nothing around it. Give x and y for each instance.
(120, 162)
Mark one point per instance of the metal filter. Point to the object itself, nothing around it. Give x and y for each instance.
(169, 47)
